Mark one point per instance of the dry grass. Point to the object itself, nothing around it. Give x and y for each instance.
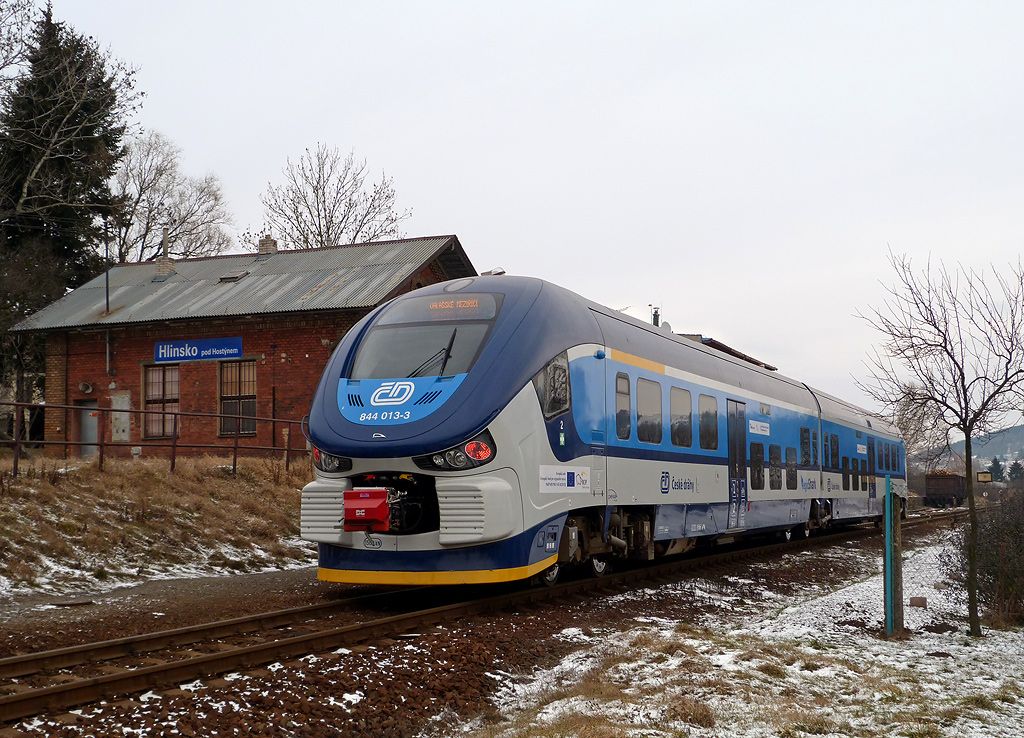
(136, 515)
(773, 670)
(804, 722)
(690, 711)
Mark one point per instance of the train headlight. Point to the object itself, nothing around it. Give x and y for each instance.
(456, 458)
(475, 452)
(330, 463)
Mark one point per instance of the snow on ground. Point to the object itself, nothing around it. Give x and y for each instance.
(58, 578)
(815, 665)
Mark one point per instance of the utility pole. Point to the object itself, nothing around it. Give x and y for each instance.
(106, 257)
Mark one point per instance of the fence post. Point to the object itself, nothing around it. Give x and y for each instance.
(234, 458)
(287, 445)
(102, 423)
(174, 443)
(17, 439)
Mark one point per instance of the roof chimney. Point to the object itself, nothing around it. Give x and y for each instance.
(267, 245)
(164, 264)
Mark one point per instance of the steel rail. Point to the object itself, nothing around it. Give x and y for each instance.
(69, 694)
(21, 665)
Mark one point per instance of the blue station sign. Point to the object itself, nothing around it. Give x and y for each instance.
(201, 349)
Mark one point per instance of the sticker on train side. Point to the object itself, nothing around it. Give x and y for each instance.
(561, 479)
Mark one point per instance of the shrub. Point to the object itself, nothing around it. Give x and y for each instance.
(1000, 560)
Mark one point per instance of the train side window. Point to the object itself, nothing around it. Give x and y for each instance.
(896, 458)
(790, 468)
(888, 457)
(552, 385)
(846, 472)
(805, 446)
(865, 477)
(757, 466)
(826, 457)
(833, 443)
(623, 421)
(775, 466)
(881, 456)
(814, 448)
(708, 408)
(854, 474)
(681, 417)
(648, 411)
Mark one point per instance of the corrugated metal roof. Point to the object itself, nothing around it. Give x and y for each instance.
(360, 275)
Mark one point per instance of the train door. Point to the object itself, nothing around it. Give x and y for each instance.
(737, 464)
(872, 482)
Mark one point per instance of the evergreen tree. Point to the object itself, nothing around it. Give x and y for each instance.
(996, 468)
(1016, 471)
(60, 141)
(61, 128)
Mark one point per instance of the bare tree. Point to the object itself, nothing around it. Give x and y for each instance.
(155, 194)
(15, 22)
(953, 348)
(925, 435)
(326, 201)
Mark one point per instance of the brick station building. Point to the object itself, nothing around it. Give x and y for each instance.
(244, 334)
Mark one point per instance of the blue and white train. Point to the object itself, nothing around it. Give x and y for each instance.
(497, 428)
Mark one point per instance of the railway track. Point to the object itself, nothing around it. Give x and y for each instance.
(286, 634)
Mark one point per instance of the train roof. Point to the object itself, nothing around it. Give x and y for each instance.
(736, 368)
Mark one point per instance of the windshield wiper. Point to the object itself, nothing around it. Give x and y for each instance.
(430, 360)
(448, 352)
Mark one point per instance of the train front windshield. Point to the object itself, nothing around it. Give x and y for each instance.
(429, 336)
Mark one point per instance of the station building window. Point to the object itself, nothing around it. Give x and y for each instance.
(775, 466)
(708, 408)
(623, 421)
(681, 415)
(161, 395)
(757, 466)
(648, 411)
(791, 468)
(238, 397)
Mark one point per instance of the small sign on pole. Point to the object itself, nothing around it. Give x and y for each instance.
(985, 476)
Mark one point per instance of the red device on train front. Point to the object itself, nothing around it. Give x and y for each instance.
(367, 509)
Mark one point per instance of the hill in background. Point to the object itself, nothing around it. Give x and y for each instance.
(1007, 444)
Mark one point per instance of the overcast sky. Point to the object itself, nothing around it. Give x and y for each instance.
(744, 165)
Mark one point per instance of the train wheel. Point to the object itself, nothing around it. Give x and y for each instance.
(549, 577)
(598, 567)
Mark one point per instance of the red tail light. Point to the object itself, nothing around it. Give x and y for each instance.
(478, 451)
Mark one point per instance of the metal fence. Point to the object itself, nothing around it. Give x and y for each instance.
(237, 442)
